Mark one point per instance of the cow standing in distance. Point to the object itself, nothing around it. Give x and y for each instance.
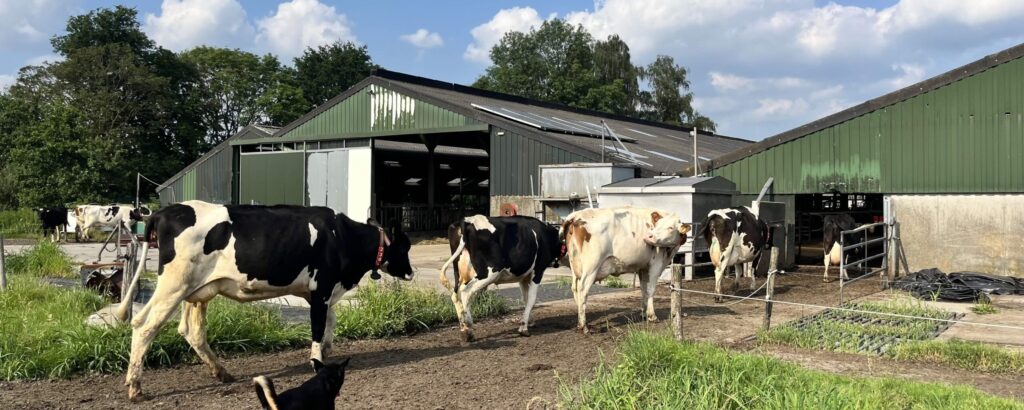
(833, 225)
(90, 216)
(735, 237)
(53, 220)
(495, 250)
(612, 241)
(250, 253)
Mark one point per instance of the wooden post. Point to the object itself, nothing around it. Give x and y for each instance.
(3, 265)
(769, 292)
(677, 303)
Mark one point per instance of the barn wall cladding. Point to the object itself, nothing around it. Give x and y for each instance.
(978, 233)
(960, 132)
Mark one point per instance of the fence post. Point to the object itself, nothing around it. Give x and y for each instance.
(770, 288)
(677, 302)
(842, 265)
(3, 265)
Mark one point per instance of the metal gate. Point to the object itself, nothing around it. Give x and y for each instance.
(858, 238)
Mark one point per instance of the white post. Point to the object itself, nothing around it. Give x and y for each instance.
(677, 303)
(696, 159)
(3, 266)
(689, 260)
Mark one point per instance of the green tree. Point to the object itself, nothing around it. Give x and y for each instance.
(284, 100)
(668, 98)
(326, 71)
(234, 82)
(614, 67)
(553, 63)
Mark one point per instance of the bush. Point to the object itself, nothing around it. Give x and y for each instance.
(656, 372)
(394, 309)
(44, 259)
(20, 223)
(43, 334)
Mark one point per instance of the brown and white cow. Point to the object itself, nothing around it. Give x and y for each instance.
(612, 241)
(493, 250)
(736, 237)
(249, 253)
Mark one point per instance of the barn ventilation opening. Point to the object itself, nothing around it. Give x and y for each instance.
(811, 209)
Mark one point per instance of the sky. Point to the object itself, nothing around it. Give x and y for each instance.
(757, 68)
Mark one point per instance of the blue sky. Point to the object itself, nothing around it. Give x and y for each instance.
(757, 67)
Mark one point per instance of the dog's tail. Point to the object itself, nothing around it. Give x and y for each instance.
(265, 392)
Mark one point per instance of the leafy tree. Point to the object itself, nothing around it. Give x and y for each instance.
(328, 70)
(554, 63)
(613, 63)
(284, 100)
(669, 99)
(233, 82)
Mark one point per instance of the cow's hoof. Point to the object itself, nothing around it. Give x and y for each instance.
(467, 336)
(224, 376)
(718, 299)
(652, 319)
(524, 332)
(583, 329)
(135, 393)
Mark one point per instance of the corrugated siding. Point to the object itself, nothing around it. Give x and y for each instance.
(209, 181)
(377, 110)
(515, 159)
(966, 137)
(272, 179)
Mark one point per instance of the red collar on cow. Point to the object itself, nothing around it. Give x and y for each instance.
(563, 251)
(384, 241)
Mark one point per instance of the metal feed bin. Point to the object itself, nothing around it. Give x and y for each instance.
(564, 187)
(690, 198)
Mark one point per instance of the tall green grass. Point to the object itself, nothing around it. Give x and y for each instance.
(20, 223)
(656, 372)
(394, 309)
(44, 259)
(964, 354)
(43, 334)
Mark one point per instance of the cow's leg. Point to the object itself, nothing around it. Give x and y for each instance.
(828, 261)
(736, 280)
(749, 267)
(145, 328)
(585, 283)
(457, 301)
(481, 284)
(332, 319)
(719, 275)
(195, 334)
(650, 286)
(318, 306)
(643, 275)
(529, 289)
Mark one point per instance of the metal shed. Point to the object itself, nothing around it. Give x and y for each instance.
(690, 198)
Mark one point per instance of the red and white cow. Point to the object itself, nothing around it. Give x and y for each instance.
(612, 241)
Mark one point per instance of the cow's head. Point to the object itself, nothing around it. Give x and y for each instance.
(667, 230)
(396, 253)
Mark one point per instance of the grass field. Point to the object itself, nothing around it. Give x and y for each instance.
(45, 259)
(655, 372)
(43, 335)
(916, 335)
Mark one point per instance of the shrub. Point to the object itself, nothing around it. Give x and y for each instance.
(44, 259)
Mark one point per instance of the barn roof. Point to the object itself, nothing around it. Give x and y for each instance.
(655, 146)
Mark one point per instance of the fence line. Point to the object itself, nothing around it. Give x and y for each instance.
(994, 325)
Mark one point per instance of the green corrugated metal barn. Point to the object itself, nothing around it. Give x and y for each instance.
(944, 157)
(396, 146)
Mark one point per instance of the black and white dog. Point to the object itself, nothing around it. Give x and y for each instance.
(317, 393)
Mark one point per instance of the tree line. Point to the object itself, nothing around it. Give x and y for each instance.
(116, 103)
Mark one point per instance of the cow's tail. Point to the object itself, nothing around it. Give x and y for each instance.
(265, 392)
(444, 268)
(129, 297)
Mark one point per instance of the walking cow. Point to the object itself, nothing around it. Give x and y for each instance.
(613, 241)
(735, 237)
(250, 253)
(832, 227)
(496, 250)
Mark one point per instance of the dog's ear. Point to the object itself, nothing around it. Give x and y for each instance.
(317, 365)
(344, 364)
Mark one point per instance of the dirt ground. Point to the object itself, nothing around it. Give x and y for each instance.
(435, 370)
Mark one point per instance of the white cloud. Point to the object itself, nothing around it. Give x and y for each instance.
(45, 58)
(6, 81)
(423, 38)
(486, 35)
(183, 24)
(761, 67)
(299, 24)
(28, 24)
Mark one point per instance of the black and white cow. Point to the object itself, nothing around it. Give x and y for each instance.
(90, 216)
(53, 220)
(833, 225)
(495, 250)
(250, 253)
(735, 236)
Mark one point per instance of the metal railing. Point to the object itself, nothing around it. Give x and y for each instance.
(859, 239)
(419, 217)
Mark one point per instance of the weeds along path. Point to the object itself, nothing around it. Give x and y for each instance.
(434, 369)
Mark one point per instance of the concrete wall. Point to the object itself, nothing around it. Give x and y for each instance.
(980, 233)
(526, 204)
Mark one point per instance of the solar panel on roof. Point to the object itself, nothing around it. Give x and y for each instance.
(641, 132)
(545, 123)
(666, 156)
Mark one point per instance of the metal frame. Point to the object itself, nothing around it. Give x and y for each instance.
(861, 263)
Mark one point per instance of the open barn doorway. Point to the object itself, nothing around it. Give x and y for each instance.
(811, 209)
(427, 182)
